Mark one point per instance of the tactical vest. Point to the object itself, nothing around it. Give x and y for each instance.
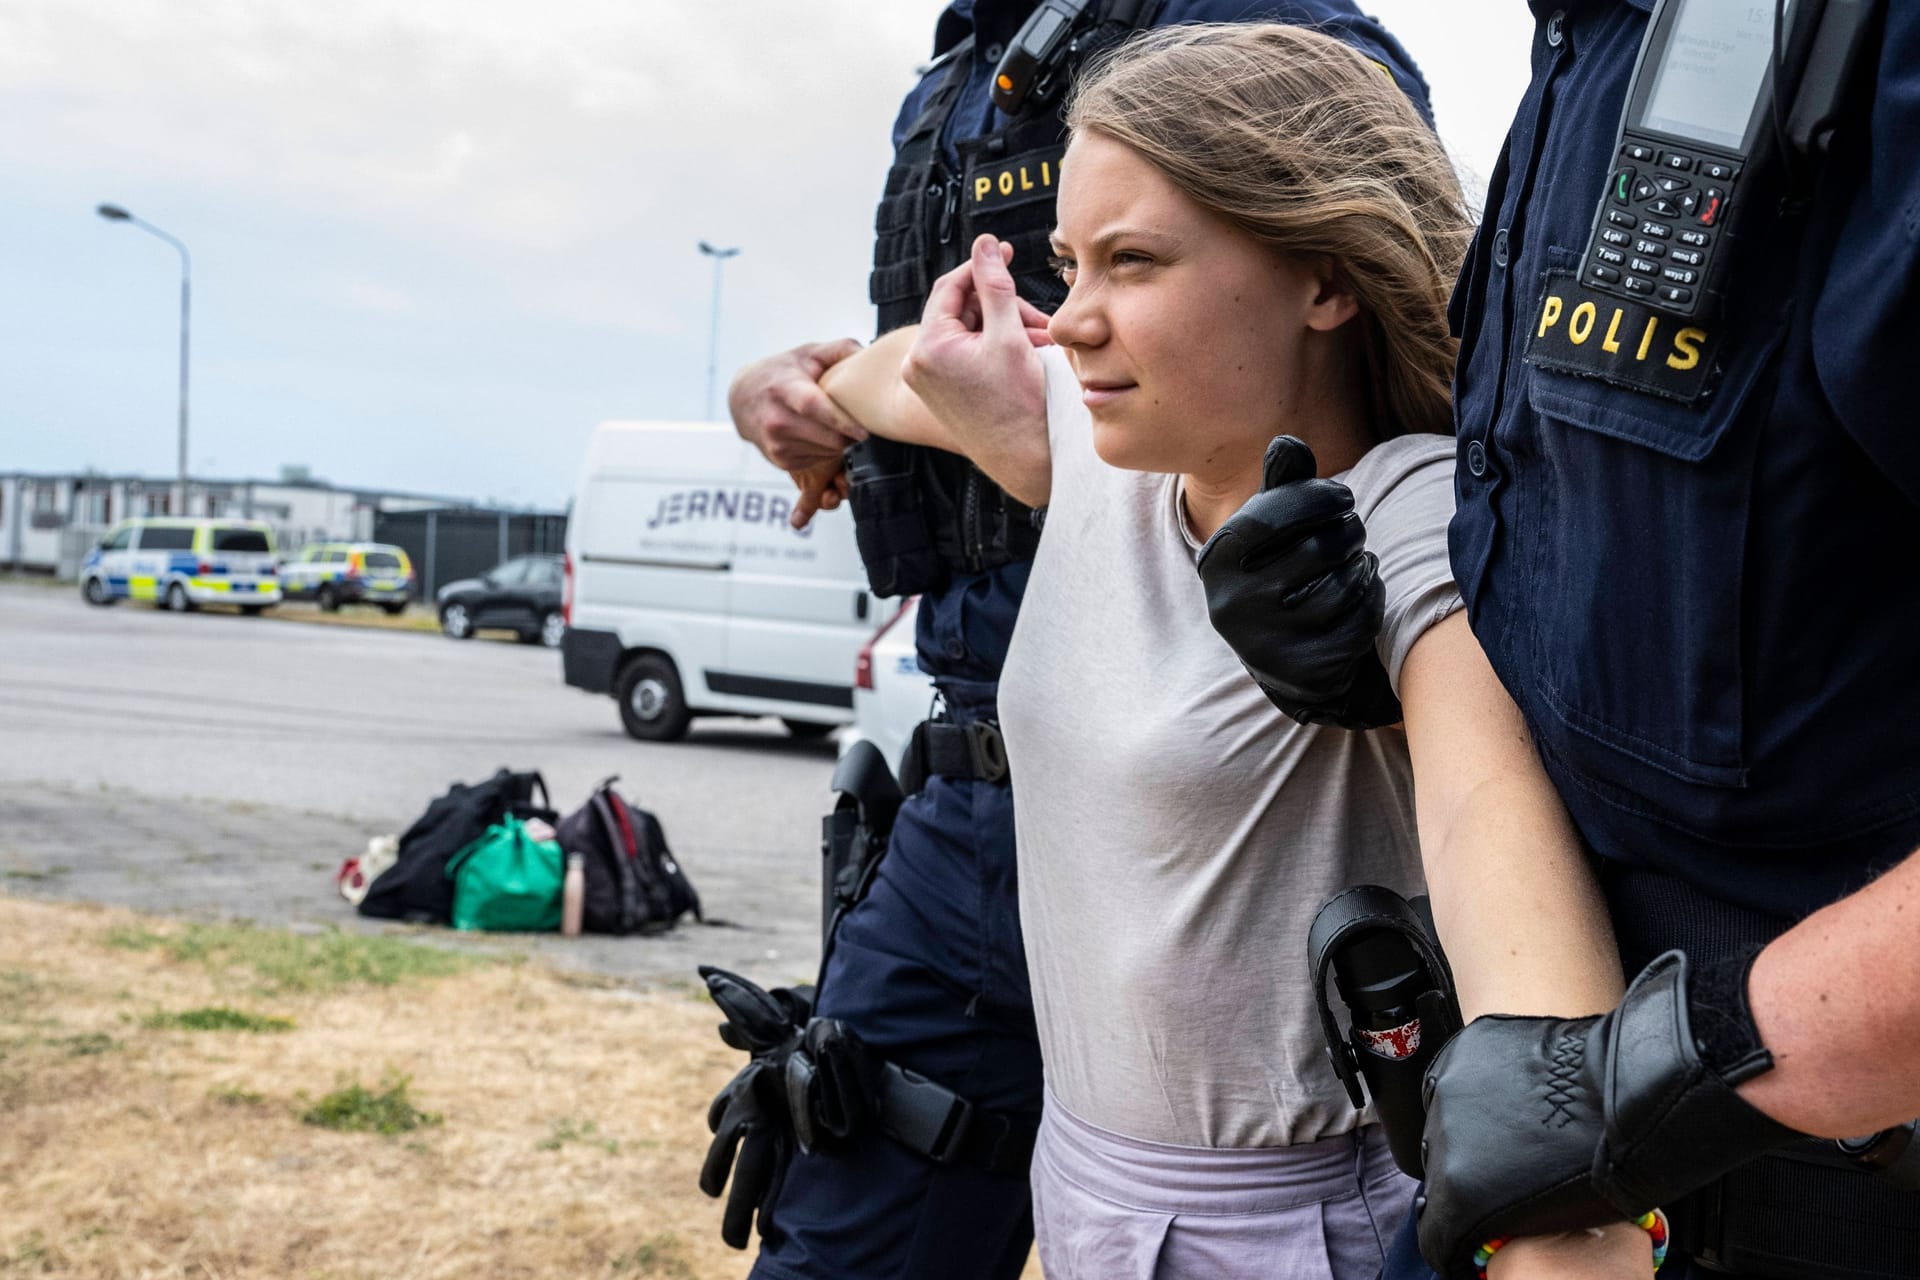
(922, 515)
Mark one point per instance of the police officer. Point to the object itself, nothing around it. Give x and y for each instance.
(928, 970)
(1692, 569)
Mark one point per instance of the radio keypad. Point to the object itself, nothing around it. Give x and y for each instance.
(1661, 210)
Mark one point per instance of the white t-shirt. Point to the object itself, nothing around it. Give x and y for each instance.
(1176, 832)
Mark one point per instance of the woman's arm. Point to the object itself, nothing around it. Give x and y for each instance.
(1516, 904)
(1513, 897)
(869, 388)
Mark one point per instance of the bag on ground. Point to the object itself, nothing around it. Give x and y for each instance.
(507, 881)
(416, 888)
(633, 882)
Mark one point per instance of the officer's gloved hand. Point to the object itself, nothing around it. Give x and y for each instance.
(1548, 1124)
(753, 1135)
(1291, 587)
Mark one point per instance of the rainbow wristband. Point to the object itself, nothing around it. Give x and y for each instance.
(1653, 1222)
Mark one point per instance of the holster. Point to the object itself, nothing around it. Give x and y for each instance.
(853, 837)
(1362, 936)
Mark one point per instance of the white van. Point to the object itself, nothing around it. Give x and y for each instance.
(687, 592)
(183, 563)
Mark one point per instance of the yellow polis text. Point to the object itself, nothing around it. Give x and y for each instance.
(1682, 353)
(1014, 178)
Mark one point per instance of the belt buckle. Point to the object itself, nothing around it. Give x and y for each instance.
(926, 1117)
(988, 749)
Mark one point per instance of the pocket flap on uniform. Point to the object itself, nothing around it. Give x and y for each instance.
(1592, 364)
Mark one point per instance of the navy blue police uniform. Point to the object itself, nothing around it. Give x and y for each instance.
(929, 968)
(1679, 542)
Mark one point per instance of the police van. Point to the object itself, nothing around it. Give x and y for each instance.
(688, 593)
(184, 563)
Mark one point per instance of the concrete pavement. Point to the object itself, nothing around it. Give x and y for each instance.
(222, 766)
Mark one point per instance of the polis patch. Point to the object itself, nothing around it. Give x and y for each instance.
(1003, 184)
(1595, 335)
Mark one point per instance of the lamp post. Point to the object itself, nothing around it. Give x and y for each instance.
(114, 213)
(719, 257)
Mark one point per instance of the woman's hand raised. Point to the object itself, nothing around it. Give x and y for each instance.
(976, 368)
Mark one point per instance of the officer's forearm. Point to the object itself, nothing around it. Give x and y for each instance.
(1837, 1002)
(1516, 905)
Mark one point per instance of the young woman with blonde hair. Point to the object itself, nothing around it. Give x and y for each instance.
(1259, 235)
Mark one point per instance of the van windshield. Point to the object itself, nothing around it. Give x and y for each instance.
(240, 540)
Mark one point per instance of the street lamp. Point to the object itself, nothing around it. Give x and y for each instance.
(114, 213)
(719, 257)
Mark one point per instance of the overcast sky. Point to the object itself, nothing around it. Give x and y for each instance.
(435, 241)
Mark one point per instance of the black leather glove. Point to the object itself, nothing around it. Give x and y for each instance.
(1291, 587)
(1548, 1124)
(753, 1134)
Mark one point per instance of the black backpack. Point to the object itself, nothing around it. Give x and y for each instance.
(634, 885)
(416, 888)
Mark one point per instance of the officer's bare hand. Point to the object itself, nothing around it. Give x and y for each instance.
(777, 404)
(1619, 1252)
(976, 366)
(822, 488)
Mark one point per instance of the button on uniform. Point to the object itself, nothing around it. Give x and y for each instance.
(1477, 459)
(1500, 247)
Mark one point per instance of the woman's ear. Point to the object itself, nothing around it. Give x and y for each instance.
(1333, 302)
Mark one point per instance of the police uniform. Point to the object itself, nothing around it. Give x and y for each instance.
(1680, 544)
(929, 967)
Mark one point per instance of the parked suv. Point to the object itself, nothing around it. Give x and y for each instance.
(335, 573)
(184, 563)
(523, 595)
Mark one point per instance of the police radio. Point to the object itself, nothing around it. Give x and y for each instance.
(1398, 989)
(1030, 69)
(1705, 108)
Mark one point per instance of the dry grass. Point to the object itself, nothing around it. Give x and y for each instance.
(418, 617)
(570, 1115)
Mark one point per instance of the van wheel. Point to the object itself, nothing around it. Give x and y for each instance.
(807, 730)
(328, 599)
(96, 593)
(652, 706)
(177, 599)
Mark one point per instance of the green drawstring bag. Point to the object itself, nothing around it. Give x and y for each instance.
(507, 882)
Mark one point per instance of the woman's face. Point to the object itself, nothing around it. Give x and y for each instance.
(1190, 339)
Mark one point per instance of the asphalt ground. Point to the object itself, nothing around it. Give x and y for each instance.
(218, 766)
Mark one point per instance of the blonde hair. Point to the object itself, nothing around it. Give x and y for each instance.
(1310, 148)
